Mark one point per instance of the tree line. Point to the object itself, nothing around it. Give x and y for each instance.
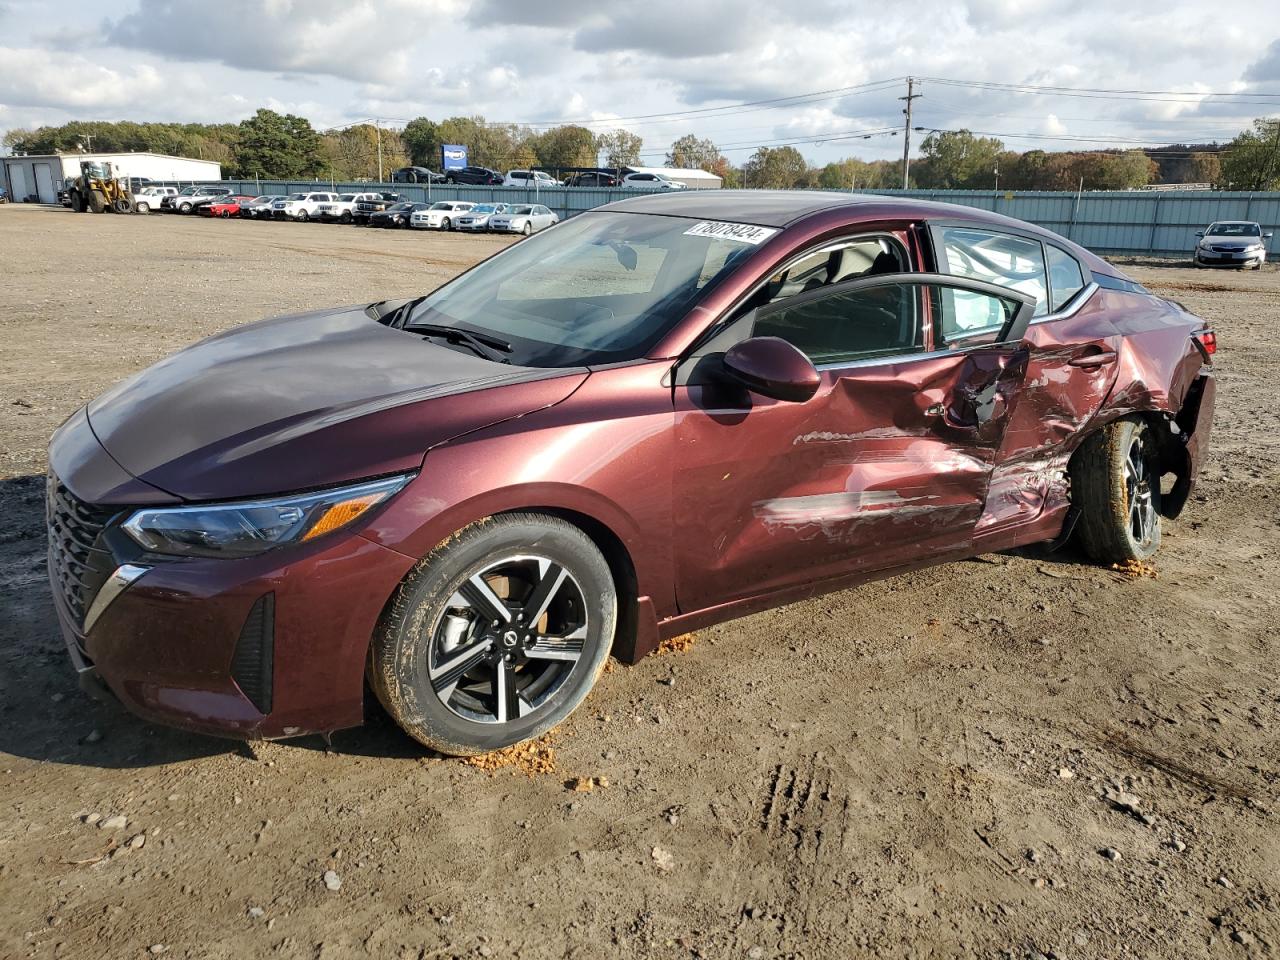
(276, 146)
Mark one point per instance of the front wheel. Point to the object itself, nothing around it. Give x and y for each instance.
(184, 208)
(143, 207)
(446, 224)
(528, 228)
(303, 216)
(1115, 483)
(345, 218)
(496, 636)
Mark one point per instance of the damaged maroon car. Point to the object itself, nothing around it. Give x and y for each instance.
(660, 414)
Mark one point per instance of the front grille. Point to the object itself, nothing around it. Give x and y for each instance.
(78, 561)
(1218, 249)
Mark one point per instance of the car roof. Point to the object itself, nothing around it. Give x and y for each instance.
(783, 208)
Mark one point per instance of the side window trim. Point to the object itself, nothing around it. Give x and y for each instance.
(729, 317)
(1018, 323)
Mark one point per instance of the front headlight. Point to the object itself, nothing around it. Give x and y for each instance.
(249, 527)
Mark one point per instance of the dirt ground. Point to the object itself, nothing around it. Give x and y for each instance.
(1021, 755)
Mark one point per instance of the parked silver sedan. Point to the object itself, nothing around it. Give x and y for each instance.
(523, 218)
(477, 218)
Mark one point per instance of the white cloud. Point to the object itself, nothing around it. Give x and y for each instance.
(339, 61)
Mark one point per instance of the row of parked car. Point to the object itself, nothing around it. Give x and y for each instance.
(532, 179)
(375, 209)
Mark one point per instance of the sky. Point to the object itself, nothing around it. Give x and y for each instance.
(649, 65)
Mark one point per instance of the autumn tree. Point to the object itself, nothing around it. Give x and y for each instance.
(621, 148)
(1252, 160)
(776, 168)
(566, 146)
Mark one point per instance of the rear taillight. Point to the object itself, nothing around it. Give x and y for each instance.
(1208, 340)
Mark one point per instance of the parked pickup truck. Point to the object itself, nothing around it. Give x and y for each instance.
(375, 204)
(301, 206)
(342, 210)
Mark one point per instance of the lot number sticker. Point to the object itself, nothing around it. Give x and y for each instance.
(740, 232)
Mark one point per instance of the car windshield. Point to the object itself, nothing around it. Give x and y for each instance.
(600, 288)
(1235, 230)
(399, 206)
(442, 205)
(347, 197)
(522, 210)
(484, 208)
(297, 196)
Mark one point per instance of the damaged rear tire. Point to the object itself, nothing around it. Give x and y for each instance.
(1115, 484)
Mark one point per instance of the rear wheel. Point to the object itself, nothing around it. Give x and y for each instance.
(496, 636)
(1115, 483)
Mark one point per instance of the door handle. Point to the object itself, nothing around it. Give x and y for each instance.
(1099, 359)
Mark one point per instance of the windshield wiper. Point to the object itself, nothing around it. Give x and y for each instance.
(482, 343)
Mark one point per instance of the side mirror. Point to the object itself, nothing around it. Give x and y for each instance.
(1199, 233)
(772, 368)
(1267, 236)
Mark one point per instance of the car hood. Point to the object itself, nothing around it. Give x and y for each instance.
(1233, 243)
(307, 401)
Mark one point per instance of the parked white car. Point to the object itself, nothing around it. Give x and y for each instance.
(650, 181)
(477, 218)
(523, 218)
(529, 178)
(150, 198)
(441, 215)
(343, 209)
(301, 206)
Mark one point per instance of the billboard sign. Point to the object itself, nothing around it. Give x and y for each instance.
(453, 156)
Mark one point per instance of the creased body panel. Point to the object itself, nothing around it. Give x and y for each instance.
(1071, 369)
(885, 464)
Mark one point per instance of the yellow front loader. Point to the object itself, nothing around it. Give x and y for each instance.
(99, 190)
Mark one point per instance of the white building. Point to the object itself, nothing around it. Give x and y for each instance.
(694, 179)
(39, 178)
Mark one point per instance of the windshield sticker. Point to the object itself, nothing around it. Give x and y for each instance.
(740, 232)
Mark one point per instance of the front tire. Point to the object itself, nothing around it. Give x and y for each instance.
(496, 636)
(1115, 483)
(143, 207)
(184, 208)
(303, 216)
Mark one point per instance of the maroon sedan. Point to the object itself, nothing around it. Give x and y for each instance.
(660, 414)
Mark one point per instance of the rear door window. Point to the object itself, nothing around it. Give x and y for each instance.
(999, 258)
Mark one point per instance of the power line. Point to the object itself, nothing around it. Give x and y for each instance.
(1166, 96)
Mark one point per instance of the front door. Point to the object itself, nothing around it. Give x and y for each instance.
(886, 464)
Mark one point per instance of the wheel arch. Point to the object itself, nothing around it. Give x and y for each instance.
(636, 618)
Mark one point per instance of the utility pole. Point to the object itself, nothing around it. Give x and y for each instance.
(377, 125)
(906, 132)
(996, 188)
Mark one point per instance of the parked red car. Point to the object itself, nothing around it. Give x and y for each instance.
(225, 207)
(655, 416)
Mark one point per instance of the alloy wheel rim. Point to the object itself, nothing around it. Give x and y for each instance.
(511, 636)
(1139, 485)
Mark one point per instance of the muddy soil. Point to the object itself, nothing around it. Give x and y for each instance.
(1019, 755)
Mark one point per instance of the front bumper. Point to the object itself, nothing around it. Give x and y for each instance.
(1212, 258)
(170, 646)
(189, 642)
